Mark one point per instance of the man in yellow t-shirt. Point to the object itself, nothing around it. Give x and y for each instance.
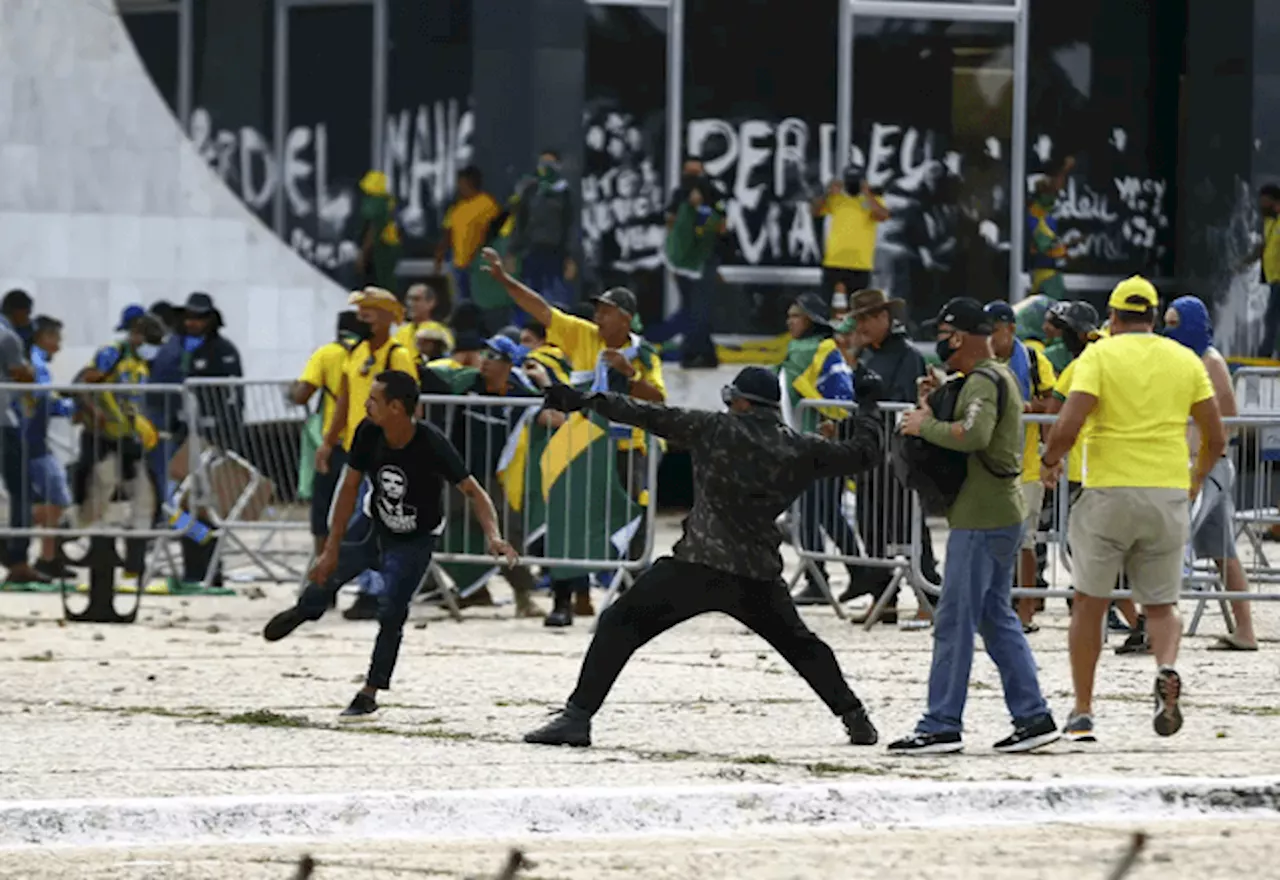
(420, 305)
(1137, 390)
(468, 224)
(324, 372)
(1268, 251)
(377, 310)
(607, 355)
(850, 254)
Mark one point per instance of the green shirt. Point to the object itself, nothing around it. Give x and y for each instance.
(692, 238)
(1058, 354)
(985, 500)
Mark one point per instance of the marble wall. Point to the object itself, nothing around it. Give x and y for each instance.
(104, 202)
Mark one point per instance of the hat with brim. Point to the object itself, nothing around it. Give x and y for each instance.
(377, 298)
(200, 305)
(434, 331)
(620, 298)
(815, 308)
(866, 302)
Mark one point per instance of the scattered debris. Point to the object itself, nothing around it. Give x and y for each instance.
(255, 592)
(213, 629)
(715, 653)
(99, 637)
(306, 867)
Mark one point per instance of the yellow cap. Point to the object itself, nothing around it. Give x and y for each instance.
(377, 298)
(374, 183)
(1135, 294)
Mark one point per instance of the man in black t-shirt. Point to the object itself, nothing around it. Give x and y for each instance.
(407, 463)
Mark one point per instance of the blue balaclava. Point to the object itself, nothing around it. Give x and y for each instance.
(1194, 328)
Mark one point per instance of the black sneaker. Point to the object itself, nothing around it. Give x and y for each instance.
(560, 617)
(1168, 690)
(282, 624)
(362, 708)
(1080, 729)
(809, 594)
(365, 607)
(1028, 737)
(1115, 623)
(859, 727)
(570, 727)
(928, 744)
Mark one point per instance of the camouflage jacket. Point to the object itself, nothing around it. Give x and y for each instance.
(747, 469)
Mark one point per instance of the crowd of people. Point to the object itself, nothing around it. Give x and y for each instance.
(131, 443)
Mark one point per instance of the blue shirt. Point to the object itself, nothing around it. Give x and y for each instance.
(1020, 366)
(40, 406)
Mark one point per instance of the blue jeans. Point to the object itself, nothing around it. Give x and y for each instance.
(543, 270)
(369, 581)
(402, 566)
(461, 282)
(17, 483)
(975, 598)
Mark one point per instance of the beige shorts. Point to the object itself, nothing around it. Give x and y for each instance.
(1033, 495)
(1140, 532)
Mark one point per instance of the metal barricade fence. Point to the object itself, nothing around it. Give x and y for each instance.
(574, 495)
(252, 480)
(1231, 509)
(87, 461)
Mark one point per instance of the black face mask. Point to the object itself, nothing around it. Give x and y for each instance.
(944, 350)
(853, 184)
(689, 181)
(1073, 342)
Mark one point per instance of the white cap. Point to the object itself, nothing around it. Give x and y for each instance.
(839, 300)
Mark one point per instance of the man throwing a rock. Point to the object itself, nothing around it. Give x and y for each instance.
(748, 467)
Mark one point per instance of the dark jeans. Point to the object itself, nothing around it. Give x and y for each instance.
(672, 592)
(975, 600)
(1270, 323)
(403, 566)
(693, 319)
(322, 490)
(543, 270)
(820, 511)
(18, 484)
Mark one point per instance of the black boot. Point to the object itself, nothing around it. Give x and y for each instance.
(562, 611)
(809, 594)
(859, 727)
(365, 607)
(570, 727)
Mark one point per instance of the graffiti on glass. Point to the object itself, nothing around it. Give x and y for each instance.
(622, 195)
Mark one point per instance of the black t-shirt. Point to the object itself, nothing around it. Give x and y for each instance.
(408, 483)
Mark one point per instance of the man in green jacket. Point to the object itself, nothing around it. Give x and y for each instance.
(986, 532)
(692, 232)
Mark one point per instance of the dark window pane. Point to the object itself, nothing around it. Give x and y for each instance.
(1104, 78)
(430, 120)
(329, 131)
(760, 111)
(932, 122)
(233, 57)
(155, 36)
(625, 128)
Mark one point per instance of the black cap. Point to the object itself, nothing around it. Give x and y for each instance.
(199, 304)
(619, 297)
(469, 340)
(815, 308)
(966, 313)
(1077, 316)
(755, 384)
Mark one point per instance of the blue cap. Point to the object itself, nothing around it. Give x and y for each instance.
(1000, 312)
(131, 313)
(504, 348)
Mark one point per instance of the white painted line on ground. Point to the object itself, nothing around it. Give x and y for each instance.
(583, 812)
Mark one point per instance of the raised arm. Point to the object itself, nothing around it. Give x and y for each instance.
(525, 298)
(859, 446)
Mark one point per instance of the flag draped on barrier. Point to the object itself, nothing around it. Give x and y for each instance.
(589, 514)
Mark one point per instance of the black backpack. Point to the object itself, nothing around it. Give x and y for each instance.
(934, 473)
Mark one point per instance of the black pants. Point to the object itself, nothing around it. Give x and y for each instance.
(672, 592)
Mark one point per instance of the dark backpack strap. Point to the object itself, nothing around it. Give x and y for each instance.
(1002, 397)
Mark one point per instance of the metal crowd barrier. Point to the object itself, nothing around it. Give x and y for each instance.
(1253, 454)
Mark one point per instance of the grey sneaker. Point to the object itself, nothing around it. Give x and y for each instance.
(1079, 729)
(1168, 690)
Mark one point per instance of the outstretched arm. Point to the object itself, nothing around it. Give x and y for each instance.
(859, 446)
(687, 427)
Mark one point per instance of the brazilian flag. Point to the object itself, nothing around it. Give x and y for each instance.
(589, 514)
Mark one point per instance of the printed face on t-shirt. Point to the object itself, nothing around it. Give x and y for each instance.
(391, 509)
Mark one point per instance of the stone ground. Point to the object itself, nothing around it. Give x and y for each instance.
(191, 701)
(1203, 850)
